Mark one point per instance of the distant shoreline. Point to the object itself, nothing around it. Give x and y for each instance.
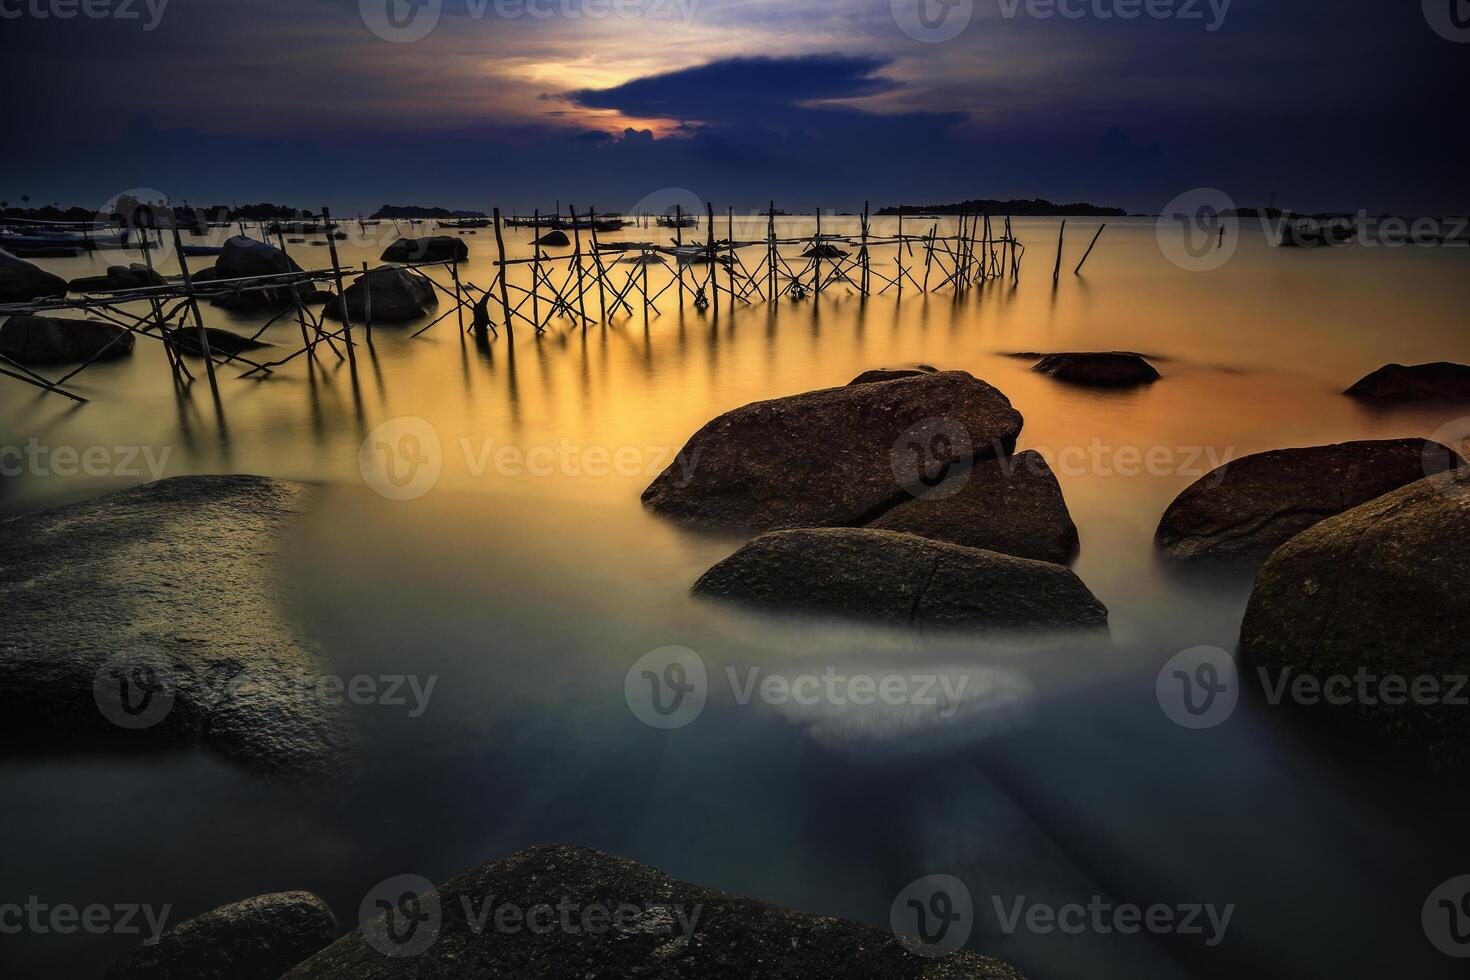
(1021, 207)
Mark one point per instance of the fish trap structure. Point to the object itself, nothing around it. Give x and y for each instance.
(613, 278)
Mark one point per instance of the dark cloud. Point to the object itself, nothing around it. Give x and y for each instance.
(1116, 143)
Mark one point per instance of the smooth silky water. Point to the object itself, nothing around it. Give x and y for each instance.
(528, 586)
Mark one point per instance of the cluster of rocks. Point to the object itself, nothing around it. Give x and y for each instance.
(636, 921)
(896, 497)
(1362, 558)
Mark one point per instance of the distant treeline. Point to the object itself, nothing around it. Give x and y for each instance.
(1029, 208)
(414, 211)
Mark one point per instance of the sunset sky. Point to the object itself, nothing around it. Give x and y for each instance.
(1340, 105)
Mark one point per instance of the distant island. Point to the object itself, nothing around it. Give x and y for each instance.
(414, 211)
(1034, 207)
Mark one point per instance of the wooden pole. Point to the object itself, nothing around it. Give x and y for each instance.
(1056, 270)
(577, 257)
(367, 299)
(771, 245)
(900, 250)
(341, 290)
(536, 268)
(504, 269)
(1095, 237)
(864, 253)
(730, 267)
(817, 256)
(597, 265)
(198, 319)
(678, 251)
(709, 244)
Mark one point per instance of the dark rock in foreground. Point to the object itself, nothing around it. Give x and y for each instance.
(255, 939)
(244, 257)
(1099, 369)
(1249, 507)
(398, 295)
(1439, 382)
(839, 456)
(22, 281)
(436, 248)
(891, 374)
(221, 342)
(555, 239)
(667, 930)
(1383, 589)
(58, 340)
(1012, 505)
(154, 615)
(902, 579)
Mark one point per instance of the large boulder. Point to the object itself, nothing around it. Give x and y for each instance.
(554, 239)
(437, 248)
(398, 295)
(155, 616)
(56, 340)
(627, 920)
(1379, 595)
(255, 939)
(902, 579)
(244, 257)
(22, 281)
(1099, 369)
(221, 342)
(1246, 509)
(839, 456)
(1439, 382)
(1012, 505)
(133, 276)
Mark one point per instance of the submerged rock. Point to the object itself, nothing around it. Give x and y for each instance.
(133, 276)
(902, 579)
(1099, 369)
(555, 239)
(398, 295)
(221, 342)
(155, 615)
(58, 340)
(244, 257)
(891, 374)
(629, 920)
(255, 939)
(436, 248)
(839, 456)
(1439, 382)
(22, 281)
(1382, 590)
(1012, 505)
(1249, 507)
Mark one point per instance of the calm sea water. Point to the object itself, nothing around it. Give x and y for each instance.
(528, 586)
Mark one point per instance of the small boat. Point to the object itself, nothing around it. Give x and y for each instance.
(672, 221)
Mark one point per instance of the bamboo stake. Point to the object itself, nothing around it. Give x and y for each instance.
(198, 319)
(1078, 270)
(597, 263)
(679, 247)
(341, 290)
(504, 297)
(577, 258)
